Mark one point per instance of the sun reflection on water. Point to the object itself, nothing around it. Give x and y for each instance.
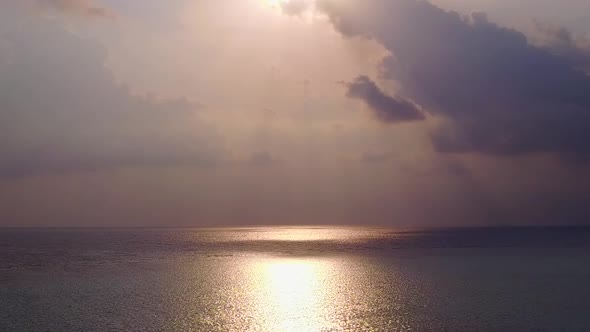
(289, 279)
(294, 294)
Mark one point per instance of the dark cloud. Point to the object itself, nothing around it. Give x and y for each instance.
(86, 8)
(561, 42)
(386, 108)
(61, 111)
(495, 92)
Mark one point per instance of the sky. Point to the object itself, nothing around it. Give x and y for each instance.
(399, 113)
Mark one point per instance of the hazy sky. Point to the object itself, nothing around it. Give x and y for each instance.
(237, 112)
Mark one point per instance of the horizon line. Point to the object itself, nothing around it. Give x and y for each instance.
(326, 226)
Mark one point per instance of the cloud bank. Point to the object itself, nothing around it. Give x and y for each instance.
(494, 91)
(61, 111)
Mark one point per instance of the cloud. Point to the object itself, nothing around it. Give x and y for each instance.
(375, 157)
(262, 159)
(61, 111)
(385, 108)
(561, 42)
(295, 7)
(86, 8)
(494, 91)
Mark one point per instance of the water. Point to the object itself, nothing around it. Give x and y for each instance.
(295, 279)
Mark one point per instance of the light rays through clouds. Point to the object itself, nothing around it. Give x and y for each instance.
(394, 112)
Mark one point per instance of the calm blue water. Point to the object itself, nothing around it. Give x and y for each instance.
(295, 279)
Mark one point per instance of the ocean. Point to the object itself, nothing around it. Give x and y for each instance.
(295, 279)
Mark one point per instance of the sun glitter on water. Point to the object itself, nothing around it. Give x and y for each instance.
(293, 298)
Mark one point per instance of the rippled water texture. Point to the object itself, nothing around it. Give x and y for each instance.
(295, 279)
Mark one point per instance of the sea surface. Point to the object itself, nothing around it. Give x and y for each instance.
(295, 279)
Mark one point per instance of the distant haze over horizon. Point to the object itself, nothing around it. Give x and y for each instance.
(403, 114)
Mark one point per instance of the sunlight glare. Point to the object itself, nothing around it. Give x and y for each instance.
(294, 290)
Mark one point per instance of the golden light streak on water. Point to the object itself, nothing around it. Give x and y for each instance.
(294, 294)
